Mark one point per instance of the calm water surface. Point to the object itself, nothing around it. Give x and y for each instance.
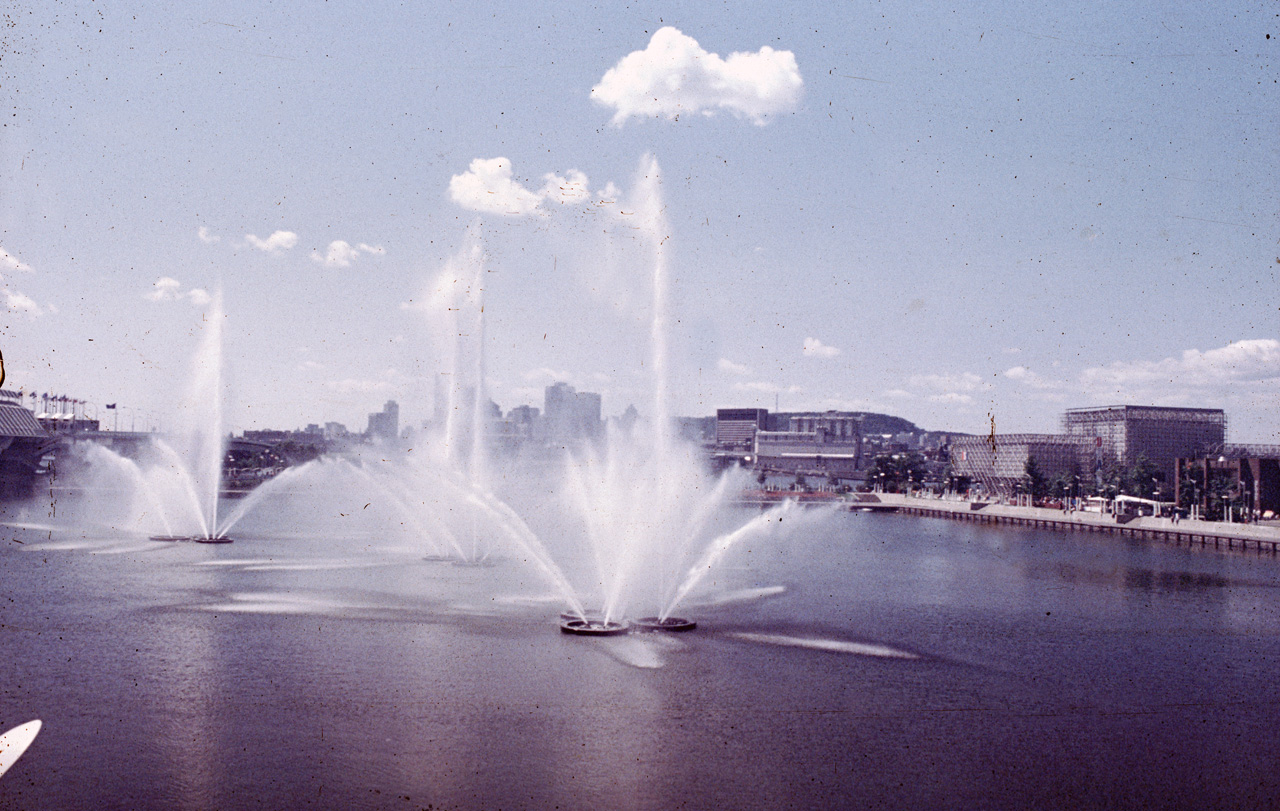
(862, 661)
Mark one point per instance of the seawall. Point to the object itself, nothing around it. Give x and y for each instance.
(1216, 534)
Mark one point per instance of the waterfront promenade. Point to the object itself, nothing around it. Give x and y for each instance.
(1218, 534)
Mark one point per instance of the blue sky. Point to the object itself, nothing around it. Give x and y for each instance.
(939, 212)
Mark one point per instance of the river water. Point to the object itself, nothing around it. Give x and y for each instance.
(860, 660)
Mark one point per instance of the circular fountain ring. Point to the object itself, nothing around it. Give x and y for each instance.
(668, 624)
(593, 627)
(213, 540)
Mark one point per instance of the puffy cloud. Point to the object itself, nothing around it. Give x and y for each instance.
(488, 186)
(205, 235)
(165, 289)
(546, 377)
(572, 190)
(675, 76)
(278, 241)
(1252, 362)
(965, 381)
(21, 303)
(341, 254)
(726, 365)
(14, 300)
(814, 348)
(1023, 375)
(10, 262)
(169, 289)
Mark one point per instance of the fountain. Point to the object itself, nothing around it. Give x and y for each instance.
(170, 491)
(645, 502)
(638, 522)
(585, 627)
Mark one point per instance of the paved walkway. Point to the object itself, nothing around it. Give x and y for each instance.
(1267, 533)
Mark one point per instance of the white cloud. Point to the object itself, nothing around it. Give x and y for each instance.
(278, 241)
(674, 76)
(487, 186)
(169, 289)
(817, 349)
(165, 289)
(764, 387)
(341, 253)
(965, 381)
(389, 381)
(17, 301)
(10, 262)
(21, 303)
(726, 365)
(546, 377)
(951, 397)
(1251, 362)
(205, 236)
(1025, 376)
(571, 190)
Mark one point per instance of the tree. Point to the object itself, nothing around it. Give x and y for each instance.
(1034, 479)
(1143, 478)
(897, 472)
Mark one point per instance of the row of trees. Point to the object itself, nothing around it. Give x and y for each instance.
(1143, 479)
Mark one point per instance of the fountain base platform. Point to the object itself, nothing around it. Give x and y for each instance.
(673, 624)
(189, 539)
(594, 627)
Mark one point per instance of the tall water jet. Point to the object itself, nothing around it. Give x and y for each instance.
(170, 488)
(643, 497)
(200, 438)
(456, 309)
(650, 511)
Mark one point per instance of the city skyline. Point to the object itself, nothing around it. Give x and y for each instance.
(944, 217)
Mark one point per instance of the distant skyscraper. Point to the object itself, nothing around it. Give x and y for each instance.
(571, 414)
(385, 424)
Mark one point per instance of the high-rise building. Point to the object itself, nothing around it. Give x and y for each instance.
(385, 424)
(569, 414)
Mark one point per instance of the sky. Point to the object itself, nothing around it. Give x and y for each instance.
(960, 215)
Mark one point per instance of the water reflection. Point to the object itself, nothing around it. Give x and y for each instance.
(282, 670)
